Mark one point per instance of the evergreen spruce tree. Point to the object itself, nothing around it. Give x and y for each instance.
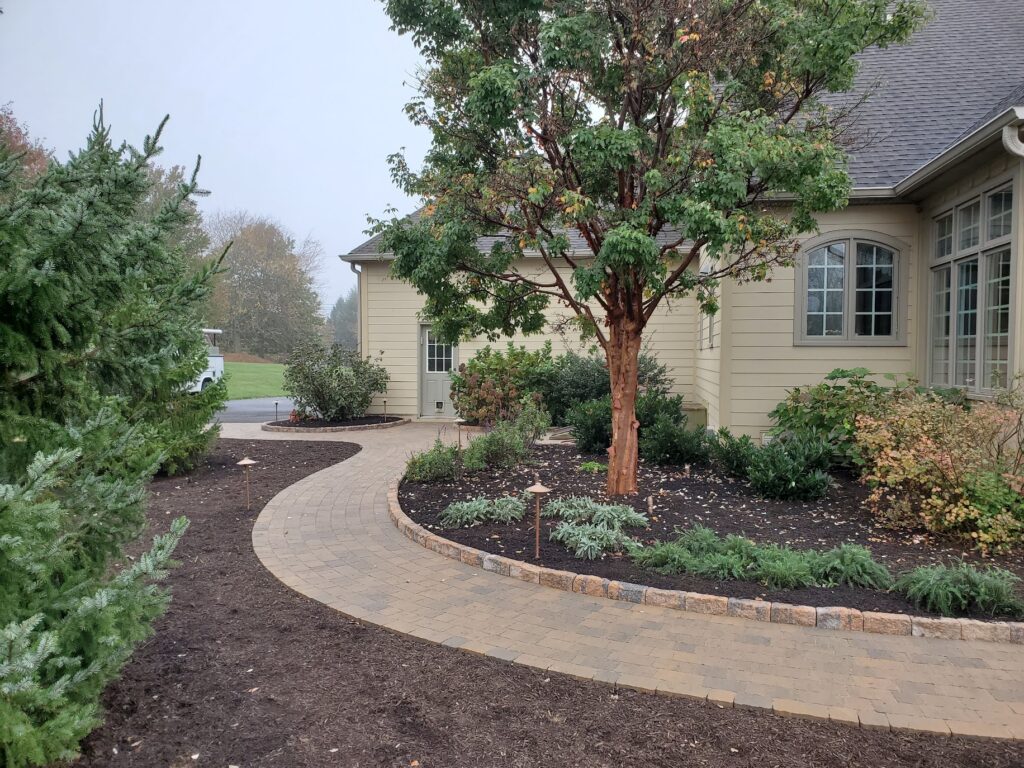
(99, 332)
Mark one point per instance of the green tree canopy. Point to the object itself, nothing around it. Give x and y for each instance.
(652, 132)
(266, 300)
(345, 319)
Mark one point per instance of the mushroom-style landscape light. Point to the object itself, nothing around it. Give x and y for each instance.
(246, 463)
(537, 490)
(458, 425)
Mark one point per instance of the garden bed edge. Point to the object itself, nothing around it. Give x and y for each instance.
(271, 427)
(832, 618)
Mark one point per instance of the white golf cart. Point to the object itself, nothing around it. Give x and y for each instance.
(214, 362)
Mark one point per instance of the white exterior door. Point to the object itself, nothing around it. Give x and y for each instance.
(437, 361)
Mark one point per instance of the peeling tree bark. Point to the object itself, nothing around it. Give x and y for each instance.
(623, 353)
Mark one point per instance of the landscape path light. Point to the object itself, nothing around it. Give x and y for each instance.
(246, 463)
(458, 425)
(537, 490)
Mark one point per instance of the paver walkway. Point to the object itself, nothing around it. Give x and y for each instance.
(329, 537)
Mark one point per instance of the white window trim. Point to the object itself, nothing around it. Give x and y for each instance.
(985, 248)
(901, 254)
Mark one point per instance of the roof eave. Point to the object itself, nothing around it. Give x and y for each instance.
(1011, 118)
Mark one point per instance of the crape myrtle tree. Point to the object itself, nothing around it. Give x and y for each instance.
(658, 131)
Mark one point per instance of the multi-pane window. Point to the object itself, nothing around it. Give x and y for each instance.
(439, 356)
(970, 225)
(850, 292)
(971, 295)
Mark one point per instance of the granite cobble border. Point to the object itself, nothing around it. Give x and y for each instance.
(271, 427)
(833, 618)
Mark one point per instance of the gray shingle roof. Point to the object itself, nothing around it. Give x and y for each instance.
(576, 242)
(959, 71)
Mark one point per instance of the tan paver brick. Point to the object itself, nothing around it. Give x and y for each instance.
(329, 536)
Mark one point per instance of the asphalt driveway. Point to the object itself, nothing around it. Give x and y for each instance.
(257, 409)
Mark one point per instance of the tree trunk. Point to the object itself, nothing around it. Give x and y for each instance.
(622, 353)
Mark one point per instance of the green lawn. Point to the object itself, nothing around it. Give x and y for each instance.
(254, 380)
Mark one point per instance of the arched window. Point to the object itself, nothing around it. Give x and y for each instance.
(849, 292)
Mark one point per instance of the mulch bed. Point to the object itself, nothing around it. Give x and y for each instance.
(243, 671)
(698, 495)
(361, 421)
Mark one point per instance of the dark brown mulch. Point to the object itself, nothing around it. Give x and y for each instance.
(698, 495)
(361, 421)
(243, 671)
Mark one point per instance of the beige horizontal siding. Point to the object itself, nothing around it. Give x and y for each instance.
(391, 322)
(763, 361)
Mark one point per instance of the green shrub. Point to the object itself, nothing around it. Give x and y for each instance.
(591, 424)
(333, 383)
(829, 410)
(958, 471)
(852, 565)
(791, 468)
(580, 378)
(783, 568)
(492, 386)
(590, 528)
(667, 443)
(508, 444)
(733, 454)
(434, 465)
(463, 514)
(583, 509)
(958, 589)
(591, 421)
(508, 509)
(701, 551)
(593, 467)
(590, 541)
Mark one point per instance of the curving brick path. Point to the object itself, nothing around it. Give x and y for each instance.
(330, 538)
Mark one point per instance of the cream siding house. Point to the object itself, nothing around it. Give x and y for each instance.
(920, 275)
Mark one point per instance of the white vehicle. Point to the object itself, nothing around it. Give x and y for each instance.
(214, 362)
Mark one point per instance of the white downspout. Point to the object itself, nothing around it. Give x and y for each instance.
(359, 305)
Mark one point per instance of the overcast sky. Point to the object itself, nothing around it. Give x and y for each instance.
(294, 106)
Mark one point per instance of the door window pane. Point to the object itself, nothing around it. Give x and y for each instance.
(874, 291)
(940, 326)
(997, 321)
(1000, 214)
(970, 225)
(966, 324)
(944, 237)
(826, 278)
(439, 356)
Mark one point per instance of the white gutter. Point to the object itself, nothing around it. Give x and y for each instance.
(1012, 140)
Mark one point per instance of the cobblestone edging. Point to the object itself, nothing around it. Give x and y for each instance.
(837, 618)
(270, 427)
